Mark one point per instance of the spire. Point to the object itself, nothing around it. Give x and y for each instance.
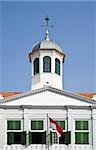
(46, 28)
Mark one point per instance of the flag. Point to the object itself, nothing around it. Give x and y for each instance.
(56, 126)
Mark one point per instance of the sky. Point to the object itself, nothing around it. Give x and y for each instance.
(74, 29)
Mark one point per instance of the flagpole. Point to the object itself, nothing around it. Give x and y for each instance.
(47, 132)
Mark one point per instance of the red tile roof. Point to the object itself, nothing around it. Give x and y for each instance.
(6, 94)
(87, 95)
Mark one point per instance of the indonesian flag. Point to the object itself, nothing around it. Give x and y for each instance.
(54, 125)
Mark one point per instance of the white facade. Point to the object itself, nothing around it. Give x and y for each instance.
(19, 113)
(59, 105)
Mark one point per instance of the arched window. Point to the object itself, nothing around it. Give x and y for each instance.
(57, 66)
(36, 66)
(46, 64)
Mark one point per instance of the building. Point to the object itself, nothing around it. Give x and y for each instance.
(24, 117)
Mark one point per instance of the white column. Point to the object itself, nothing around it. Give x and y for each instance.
(26, 124)
(41, 63)
(70, 126)
(94, 129)
(53, 63)
(3, 133)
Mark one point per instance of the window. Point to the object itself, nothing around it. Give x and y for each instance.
(81, 132)
(64, 139)
(62, 124)
(46, 64)
(57, 66)
(53, 135)
(36, 66)
(37, 137)
(13, 125)
(14, 136)
(36, 125)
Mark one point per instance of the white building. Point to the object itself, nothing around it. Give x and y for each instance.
(24, 123)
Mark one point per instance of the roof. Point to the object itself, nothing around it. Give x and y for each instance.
(87, 95)
(47, 44)
(7, 94)
(49, 89)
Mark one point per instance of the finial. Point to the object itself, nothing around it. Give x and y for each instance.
(46, 27)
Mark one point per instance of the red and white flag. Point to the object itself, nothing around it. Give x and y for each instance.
(54, 125)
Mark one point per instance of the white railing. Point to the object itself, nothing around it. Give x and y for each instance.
(44, 147)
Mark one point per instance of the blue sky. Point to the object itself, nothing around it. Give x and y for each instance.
(74, 30)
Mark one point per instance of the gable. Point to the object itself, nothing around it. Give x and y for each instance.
(47, 98)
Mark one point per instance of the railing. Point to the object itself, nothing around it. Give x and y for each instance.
(44, 147)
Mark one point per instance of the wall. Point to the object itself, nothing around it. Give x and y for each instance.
(27, 114)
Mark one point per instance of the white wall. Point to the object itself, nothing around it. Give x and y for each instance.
(29, 114)
(51, 79)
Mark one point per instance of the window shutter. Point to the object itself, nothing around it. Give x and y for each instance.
(62, 139)
(23, 138)
(10, 138)
(67, 139)
(44, 138)
(51, 142)
(30, 137)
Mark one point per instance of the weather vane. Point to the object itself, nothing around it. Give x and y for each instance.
(46, 28)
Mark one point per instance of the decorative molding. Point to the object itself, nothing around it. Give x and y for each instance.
(44, 89)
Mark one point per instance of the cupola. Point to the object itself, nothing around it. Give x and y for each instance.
(46, 58)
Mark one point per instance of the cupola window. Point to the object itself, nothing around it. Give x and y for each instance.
(36, 66)
(46, 64)
(57, 66)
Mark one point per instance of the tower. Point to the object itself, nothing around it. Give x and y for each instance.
(46, 58)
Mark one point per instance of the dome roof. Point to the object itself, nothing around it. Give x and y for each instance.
(47, 44)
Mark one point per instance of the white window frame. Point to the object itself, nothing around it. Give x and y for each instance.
(89, 129)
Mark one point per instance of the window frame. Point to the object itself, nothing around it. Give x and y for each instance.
(54, 136)
(87, 131)
(13, 132)
(36, 125)
(37, 130)
(36, 66)
(13, 122)
(57, 66)
(46, 64)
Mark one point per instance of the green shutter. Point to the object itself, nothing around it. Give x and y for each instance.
(51, 142)
(82, 138)
(30, 137)
(67, 137)
(86, 138)
(62, 139)
(10, 138)
(44, 138)
(23, 138)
